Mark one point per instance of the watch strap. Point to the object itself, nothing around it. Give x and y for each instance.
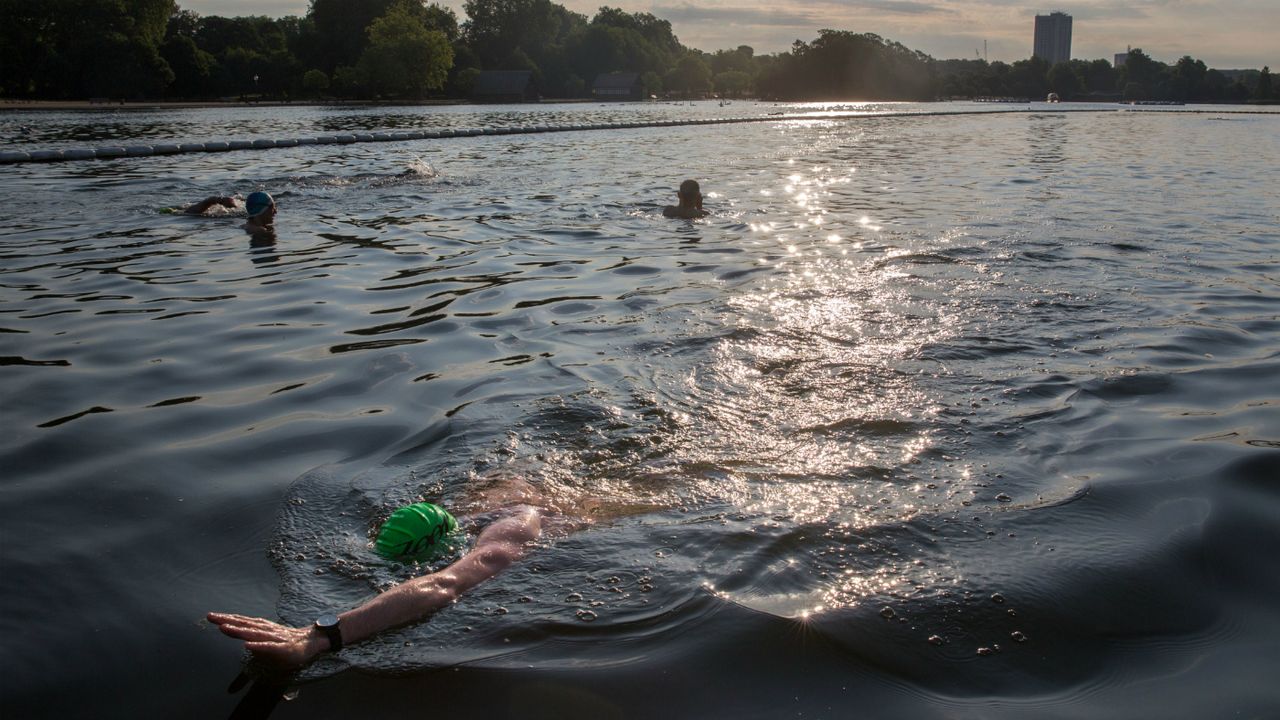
(330, 627)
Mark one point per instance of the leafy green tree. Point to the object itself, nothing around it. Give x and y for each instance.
(1186, 79)
(346, 81)
(182, 22)
(216, 35)
(740, 59)
(193, 68)
(651, 82)
(733, 82)
(241, 70)
(1214, 87)
(1029, 78)
(1063, 80)
(691, 75)
(1099, 76)
(403, 56)
(841, 65)
(1262, 91)
(465, 80)
(495, 29)
(504, 34)
(336, 30)
(574, 86)
(28, 36)
(340, 27)
(1141, 70)
(600, 48)
(315, 82)
(83, 48)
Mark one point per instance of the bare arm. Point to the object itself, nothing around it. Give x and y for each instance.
(205, 204)
(500, 545)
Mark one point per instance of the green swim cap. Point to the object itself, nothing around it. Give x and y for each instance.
(414, 532)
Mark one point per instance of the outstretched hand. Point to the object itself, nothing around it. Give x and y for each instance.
(275, 644)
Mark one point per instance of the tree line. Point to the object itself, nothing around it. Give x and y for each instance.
(1139, 78)
(412, 49)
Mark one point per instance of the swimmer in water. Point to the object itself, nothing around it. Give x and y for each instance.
(690, 206)
(259, 206)
(499, 545)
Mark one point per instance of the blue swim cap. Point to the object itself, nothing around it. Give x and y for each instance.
(257, 202)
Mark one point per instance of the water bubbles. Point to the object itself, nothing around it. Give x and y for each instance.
(936, 640)
(586, 615)
(997, 598)
(1018, 636)
(887, 613)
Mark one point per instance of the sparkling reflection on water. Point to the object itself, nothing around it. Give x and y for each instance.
(919, 387)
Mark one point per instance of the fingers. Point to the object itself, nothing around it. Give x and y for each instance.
(253, 634)
(243, 627)
(222, 619)
(270, 641)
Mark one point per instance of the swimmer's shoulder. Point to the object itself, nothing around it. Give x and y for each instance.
(675, 211)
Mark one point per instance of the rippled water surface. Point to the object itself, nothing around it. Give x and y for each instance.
(934, 416)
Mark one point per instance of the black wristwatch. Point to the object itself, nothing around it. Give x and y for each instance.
(328, 625)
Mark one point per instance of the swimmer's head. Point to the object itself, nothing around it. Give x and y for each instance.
(415, 532)
(689, 191)
(258, 203)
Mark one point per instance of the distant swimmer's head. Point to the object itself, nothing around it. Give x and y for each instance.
(415, 532)
(258, 203)
(690, 192)
(690, 206)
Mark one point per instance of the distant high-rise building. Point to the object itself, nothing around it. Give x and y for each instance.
(1053, 37)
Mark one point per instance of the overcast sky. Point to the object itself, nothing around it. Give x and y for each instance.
(1225, 34)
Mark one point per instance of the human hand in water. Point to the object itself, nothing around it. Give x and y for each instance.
(271, 642)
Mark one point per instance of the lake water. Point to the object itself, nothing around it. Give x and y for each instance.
(934, 416)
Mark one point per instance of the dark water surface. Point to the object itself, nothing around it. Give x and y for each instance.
(964, 416)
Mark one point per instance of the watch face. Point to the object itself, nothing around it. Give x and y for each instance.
(329, 620)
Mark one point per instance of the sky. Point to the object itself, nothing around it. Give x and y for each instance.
(1225, 34)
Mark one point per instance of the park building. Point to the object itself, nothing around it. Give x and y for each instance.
(1053, 37)
(617, 86)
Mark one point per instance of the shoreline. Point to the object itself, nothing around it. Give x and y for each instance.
(139, 105)
(108, 106)
(115, 105)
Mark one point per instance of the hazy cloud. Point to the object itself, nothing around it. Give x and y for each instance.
(904, 7)
(233, 8)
